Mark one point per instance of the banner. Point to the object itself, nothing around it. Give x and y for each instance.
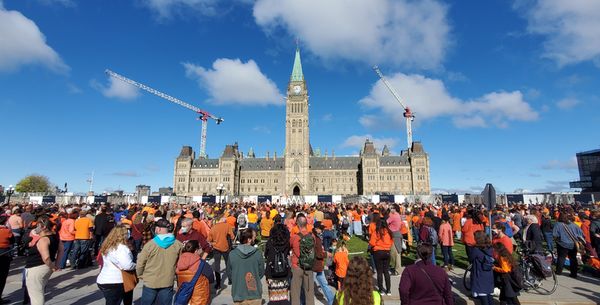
(101, 199)
(450, 199)
(209, 199)
(324, 198)
(49, 199)
(264, 198)
(386, 198)
(513, 199)
(154, 199)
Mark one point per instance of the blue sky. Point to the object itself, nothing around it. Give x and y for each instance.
(504, 91)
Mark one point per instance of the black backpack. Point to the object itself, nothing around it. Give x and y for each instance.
(279, 266)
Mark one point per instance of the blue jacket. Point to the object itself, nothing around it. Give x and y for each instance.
(562, 237)
(482, 281)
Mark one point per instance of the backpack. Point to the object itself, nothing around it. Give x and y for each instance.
(307, 251)
(516, 278)
(279, 266)
(433, 236)
(241, 221)
(541, 266)
(508, 229)
(345, 223)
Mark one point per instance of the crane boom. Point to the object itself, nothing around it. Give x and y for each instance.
(204, 115)
(385, 82)
(408, 115)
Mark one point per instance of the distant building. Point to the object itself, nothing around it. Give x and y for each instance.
(165, 191)
(300, 171)
(588, 163)
(142, 190)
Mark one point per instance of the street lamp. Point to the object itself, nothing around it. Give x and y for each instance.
(9, 192)
(220, 188)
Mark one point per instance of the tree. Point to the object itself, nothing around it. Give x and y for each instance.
(33, 184)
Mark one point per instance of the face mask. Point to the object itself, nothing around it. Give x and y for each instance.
(184, 229)
(128, 234)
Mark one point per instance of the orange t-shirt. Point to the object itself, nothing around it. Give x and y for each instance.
(341, 263)
(296, 230)
(5, 235)
(327, 223)
(67, 230)
(231, 221)
(82, 228)
(149, 209)
(384, 243)
(356, 216)
(456, 217)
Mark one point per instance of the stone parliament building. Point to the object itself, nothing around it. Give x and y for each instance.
(300, 171)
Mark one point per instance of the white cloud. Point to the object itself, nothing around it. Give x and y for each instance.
(327, 117)
(571, 28)
(261, 129)
(66, 3)
(561, 164)
(22, 43)
(428, 98)
(167, 8)
(231, 81)
(397, 32)
(358, 141)
(116, 89)
(567, 103)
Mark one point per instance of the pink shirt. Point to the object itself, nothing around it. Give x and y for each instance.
(15, 222)
(445, 235)
(394, 222)
(67, 230)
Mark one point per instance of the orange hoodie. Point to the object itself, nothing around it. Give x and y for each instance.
(384, 243)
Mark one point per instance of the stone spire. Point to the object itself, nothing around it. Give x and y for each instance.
(251, 153)
(386, 151)
(297, 75)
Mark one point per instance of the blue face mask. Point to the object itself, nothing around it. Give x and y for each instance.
(128, 234)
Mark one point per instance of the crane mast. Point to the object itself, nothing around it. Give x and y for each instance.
(408, 115)
(204, 115)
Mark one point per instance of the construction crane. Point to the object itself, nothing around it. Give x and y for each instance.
(408, 115)
(204, 116)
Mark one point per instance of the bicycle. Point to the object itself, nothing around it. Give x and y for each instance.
(533, 277)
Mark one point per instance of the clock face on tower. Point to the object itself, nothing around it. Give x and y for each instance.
(297, 89)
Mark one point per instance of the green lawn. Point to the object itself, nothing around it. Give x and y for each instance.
(358, 246)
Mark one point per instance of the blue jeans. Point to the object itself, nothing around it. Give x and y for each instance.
(433, 247)
(415, 233)
(81, 249)
(67, 246)
(328, 236)
(164, 295)
(486, 299)
(448, 255)
(549, 240)
(320, 278)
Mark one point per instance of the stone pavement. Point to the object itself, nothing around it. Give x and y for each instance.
(79, 287)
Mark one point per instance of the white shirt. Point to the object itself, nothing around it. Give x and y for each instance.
(116, 260)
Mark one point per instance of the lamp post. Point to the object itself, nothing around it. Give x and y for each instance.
(9, 192)
(220, 188)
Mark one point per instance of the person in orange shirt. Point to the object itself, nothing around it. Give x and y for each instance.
(340, 259)
(381, 242)
(67, 237)
(473, 224)
(415, 224)
(328, 233)
(6, 241)
(456, 217)
(83, 241)
(356, 221)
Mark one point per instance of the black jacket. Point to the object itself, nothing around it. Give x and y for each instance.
(101, 226)
(535, 238)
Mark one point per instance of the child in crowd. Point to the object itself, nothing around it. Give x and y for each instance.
(340, 259)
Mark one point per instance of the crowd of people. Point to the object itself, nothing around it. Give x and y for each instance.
(298, 249)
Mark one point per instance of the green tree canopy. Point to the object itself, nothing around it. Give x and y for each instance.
(33, 184)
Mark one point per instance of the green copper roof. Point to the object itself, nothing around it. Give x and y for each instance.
(297, 71)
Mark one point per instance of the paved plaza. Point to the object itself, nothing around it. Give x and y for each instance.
(79, 287)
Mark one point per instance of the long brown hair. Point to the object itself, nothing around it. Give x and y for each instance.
(358, 284)
(116, 237)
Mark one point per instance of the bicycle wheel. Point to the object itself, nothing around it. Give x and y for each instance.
(467, 278)
(545, 286)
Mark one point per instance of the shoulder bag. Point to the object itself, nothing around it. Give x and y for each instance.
(435, 286)
(579, 245)
(184, 293)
